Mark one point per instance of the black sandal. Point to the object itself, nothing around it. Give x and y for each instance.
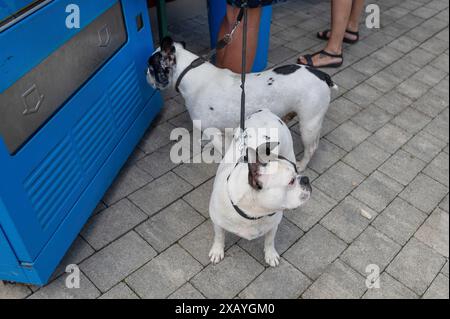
(310, 63)
(324, 36)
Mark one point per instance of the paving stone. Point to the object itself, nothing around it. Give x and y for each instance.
(390, 289)
(384, 81)
(199, 198)
(348, 136)
(366, 158)
(413, 89)
(363, 95)
(182, 120)
(78, 251)
(130, 179)
(390, 138)
(434, 45)
(399, 221)
(439, 288)
(424, 146)
(115, 262)
(13, 291)
(439, 127)
(438, 169)
(444, 204)
(160, 193)
(393, 102)
(402, 69)
(445, 269)
(419, 57)
(349, 78)
(326, 156)
(57, 290)
(339, 281)
(168, 226)
(371, 248)
(404, 44)
(416, 266)
(308, 215)
(158, 163)
(369, 66)
(348, 220)
(315, 251)
(199, 241)
(215, 281)
(411, 120)
(282, 282)
(156, 137)
(121, 292)
(403, 167)
(430, 104)
(387, 55)
(281, 54)
(424, 193)
(186, 292)
(196, 173)
(434, 232)
(339, 181)
(287, 235)
(342, 110)
(112, 223)
(372, 118)
(377, 191)
(430, 75)
(171, 108)
(164, 274)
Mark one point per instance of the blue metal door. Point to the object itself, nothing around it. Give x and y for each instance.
(73, 103)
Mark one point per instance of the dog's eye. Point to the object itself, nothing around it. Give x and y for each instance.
(292, 181)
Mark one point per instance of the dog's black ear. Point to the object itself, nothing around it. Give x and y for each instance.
(167, 45)
(253, 169)
(183, 43)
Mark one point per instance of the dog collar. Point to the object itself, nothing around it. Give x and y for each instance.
(195, 64)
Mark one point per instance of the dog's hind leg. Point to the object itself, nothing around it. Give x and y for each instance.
(310, 137)
(271, 255)
(217, 251)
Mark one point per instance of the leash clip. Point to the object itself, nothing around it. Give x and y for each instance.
(243, 143)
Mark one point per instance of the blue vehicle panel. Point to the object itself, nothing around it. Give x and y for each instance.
(80, 124)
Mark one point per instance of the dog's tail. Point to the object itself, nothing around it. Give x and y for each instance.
(324, 77)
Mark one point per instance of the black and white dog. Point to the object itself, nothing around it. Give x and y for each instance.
(213, 95)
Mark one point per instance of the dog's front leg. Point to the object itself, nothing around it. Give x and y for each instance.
(271, 255)
(217, 251)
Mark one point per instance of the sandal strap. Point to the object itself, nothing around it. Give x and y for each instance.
(309, 60)
(331, 55)
(355, 33)
(324, 34)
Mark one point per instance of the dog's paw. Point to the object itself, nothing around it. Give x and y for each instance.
(272, 258)
(216, 254)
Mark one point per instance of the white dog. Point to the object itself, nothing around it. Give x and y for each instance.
(213, 95)
(249, 196)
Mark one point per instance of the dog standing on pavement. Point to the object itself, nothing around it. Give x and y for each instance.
(213, 95)
(251, 193)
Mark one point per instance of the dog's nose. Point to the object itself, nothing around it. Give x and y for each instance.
(304, 181)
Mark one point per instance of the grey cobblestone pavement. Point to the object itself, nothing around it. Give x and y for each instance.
(381, 180)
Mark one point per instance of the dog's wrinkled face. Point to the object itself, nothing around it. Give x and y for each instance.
(278, 185)
(161, 65)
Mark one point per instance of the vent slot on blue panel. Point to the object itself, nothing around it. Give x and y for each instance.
(125, 96)
(52, 182)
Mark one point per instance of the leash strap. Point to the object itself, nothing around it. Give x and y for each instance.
(221, 44)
